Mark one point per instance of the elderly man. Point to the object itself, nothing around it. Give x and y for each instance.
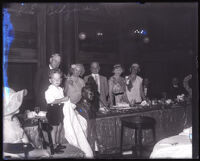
(42, 81)
(134, 89)
(175, 88)
(101, 82)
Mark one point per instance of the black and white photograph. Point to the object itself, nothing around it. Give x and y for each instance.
(100, 80)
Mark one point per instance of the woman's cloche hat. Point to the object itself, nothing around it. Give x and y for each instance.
(116, 66)
(11, 100)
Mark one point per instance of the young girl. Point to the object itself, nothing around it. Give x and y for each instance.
(55, 97)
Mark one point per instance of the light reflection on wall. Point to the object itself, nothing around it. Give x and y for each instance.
(8, 37)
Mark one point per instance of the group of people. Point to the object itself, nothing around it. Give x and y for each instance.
(51, 91)
(72, 101)
(116, 89)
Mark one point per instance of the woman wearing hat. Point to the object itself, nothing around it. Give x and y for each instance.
(117, 86)
(12, 131)
(134, 90)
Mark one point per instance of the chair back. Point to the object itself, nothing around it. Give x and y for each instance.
(17, 148)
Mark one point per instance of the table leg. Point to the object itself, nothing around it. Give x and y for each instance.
(50, 142)
(154, 135)
(138, 142)
(41, 134)
(121, 140)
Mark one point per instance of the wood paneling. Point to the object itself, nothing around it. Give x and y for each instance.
(24, 40)
(94, 48)
(41, 35)
(24, 22)
(24, 45)
(21, 76)
(27, 49)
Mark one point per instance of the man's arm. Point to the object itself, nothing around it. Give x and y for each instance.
(142, 91)
(86, 79)
(110, 83)
(106, 87)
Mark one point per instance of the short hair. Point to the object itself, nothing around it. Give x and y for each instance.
(53, 55)
(96, 63)
(116, 66)
(53, 71)
(135, 64)
(73, 66)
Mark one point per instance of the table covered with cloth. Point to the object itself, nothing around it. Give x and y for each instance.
(178, 146)
(170, 121)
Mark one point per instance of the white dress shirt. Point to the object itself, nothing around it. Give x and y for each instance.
(97, 79)
(50, 67)
(53, 93)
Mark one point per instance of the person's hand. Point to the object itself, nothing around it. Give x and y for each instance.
(37, 109)
(188, 77)
(66, 98)
(25, 92)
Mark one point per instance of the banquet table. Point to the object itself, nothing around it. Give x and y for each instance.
(170, 120)
(178, 146)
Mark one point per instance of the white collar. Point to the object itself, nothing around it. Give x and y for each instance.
(52, 86)
(95, 74)
(50, 66)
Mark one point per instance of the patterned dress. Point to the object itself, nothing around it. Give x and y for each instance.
(118, 89)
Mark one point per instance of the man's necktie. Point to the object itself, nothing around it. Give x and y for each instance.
(96, 80)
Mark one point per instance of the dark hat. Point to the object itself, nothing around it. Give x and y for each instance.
(11, 100)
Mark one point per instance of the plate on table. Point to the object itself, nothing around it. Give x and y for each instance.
(121, 107)
(103, 110)
(33, 114)
(42, 114)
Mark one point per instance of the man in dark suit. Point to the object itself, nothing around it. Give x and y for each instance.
(101, 82)
(175, 89)
(42, 81)
(148, 91)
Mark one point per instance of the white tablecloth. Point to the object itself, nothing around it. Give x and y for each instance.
(178, 146)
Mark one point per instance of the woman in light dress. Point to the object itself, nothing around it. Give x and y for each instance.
(134, 89)
(74, 84)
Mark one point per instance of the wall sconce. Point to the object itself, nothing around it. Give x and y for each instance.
(82, 36)
(99, 34)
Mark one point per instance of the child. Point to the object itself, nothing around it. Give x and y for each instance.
(55, 97)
